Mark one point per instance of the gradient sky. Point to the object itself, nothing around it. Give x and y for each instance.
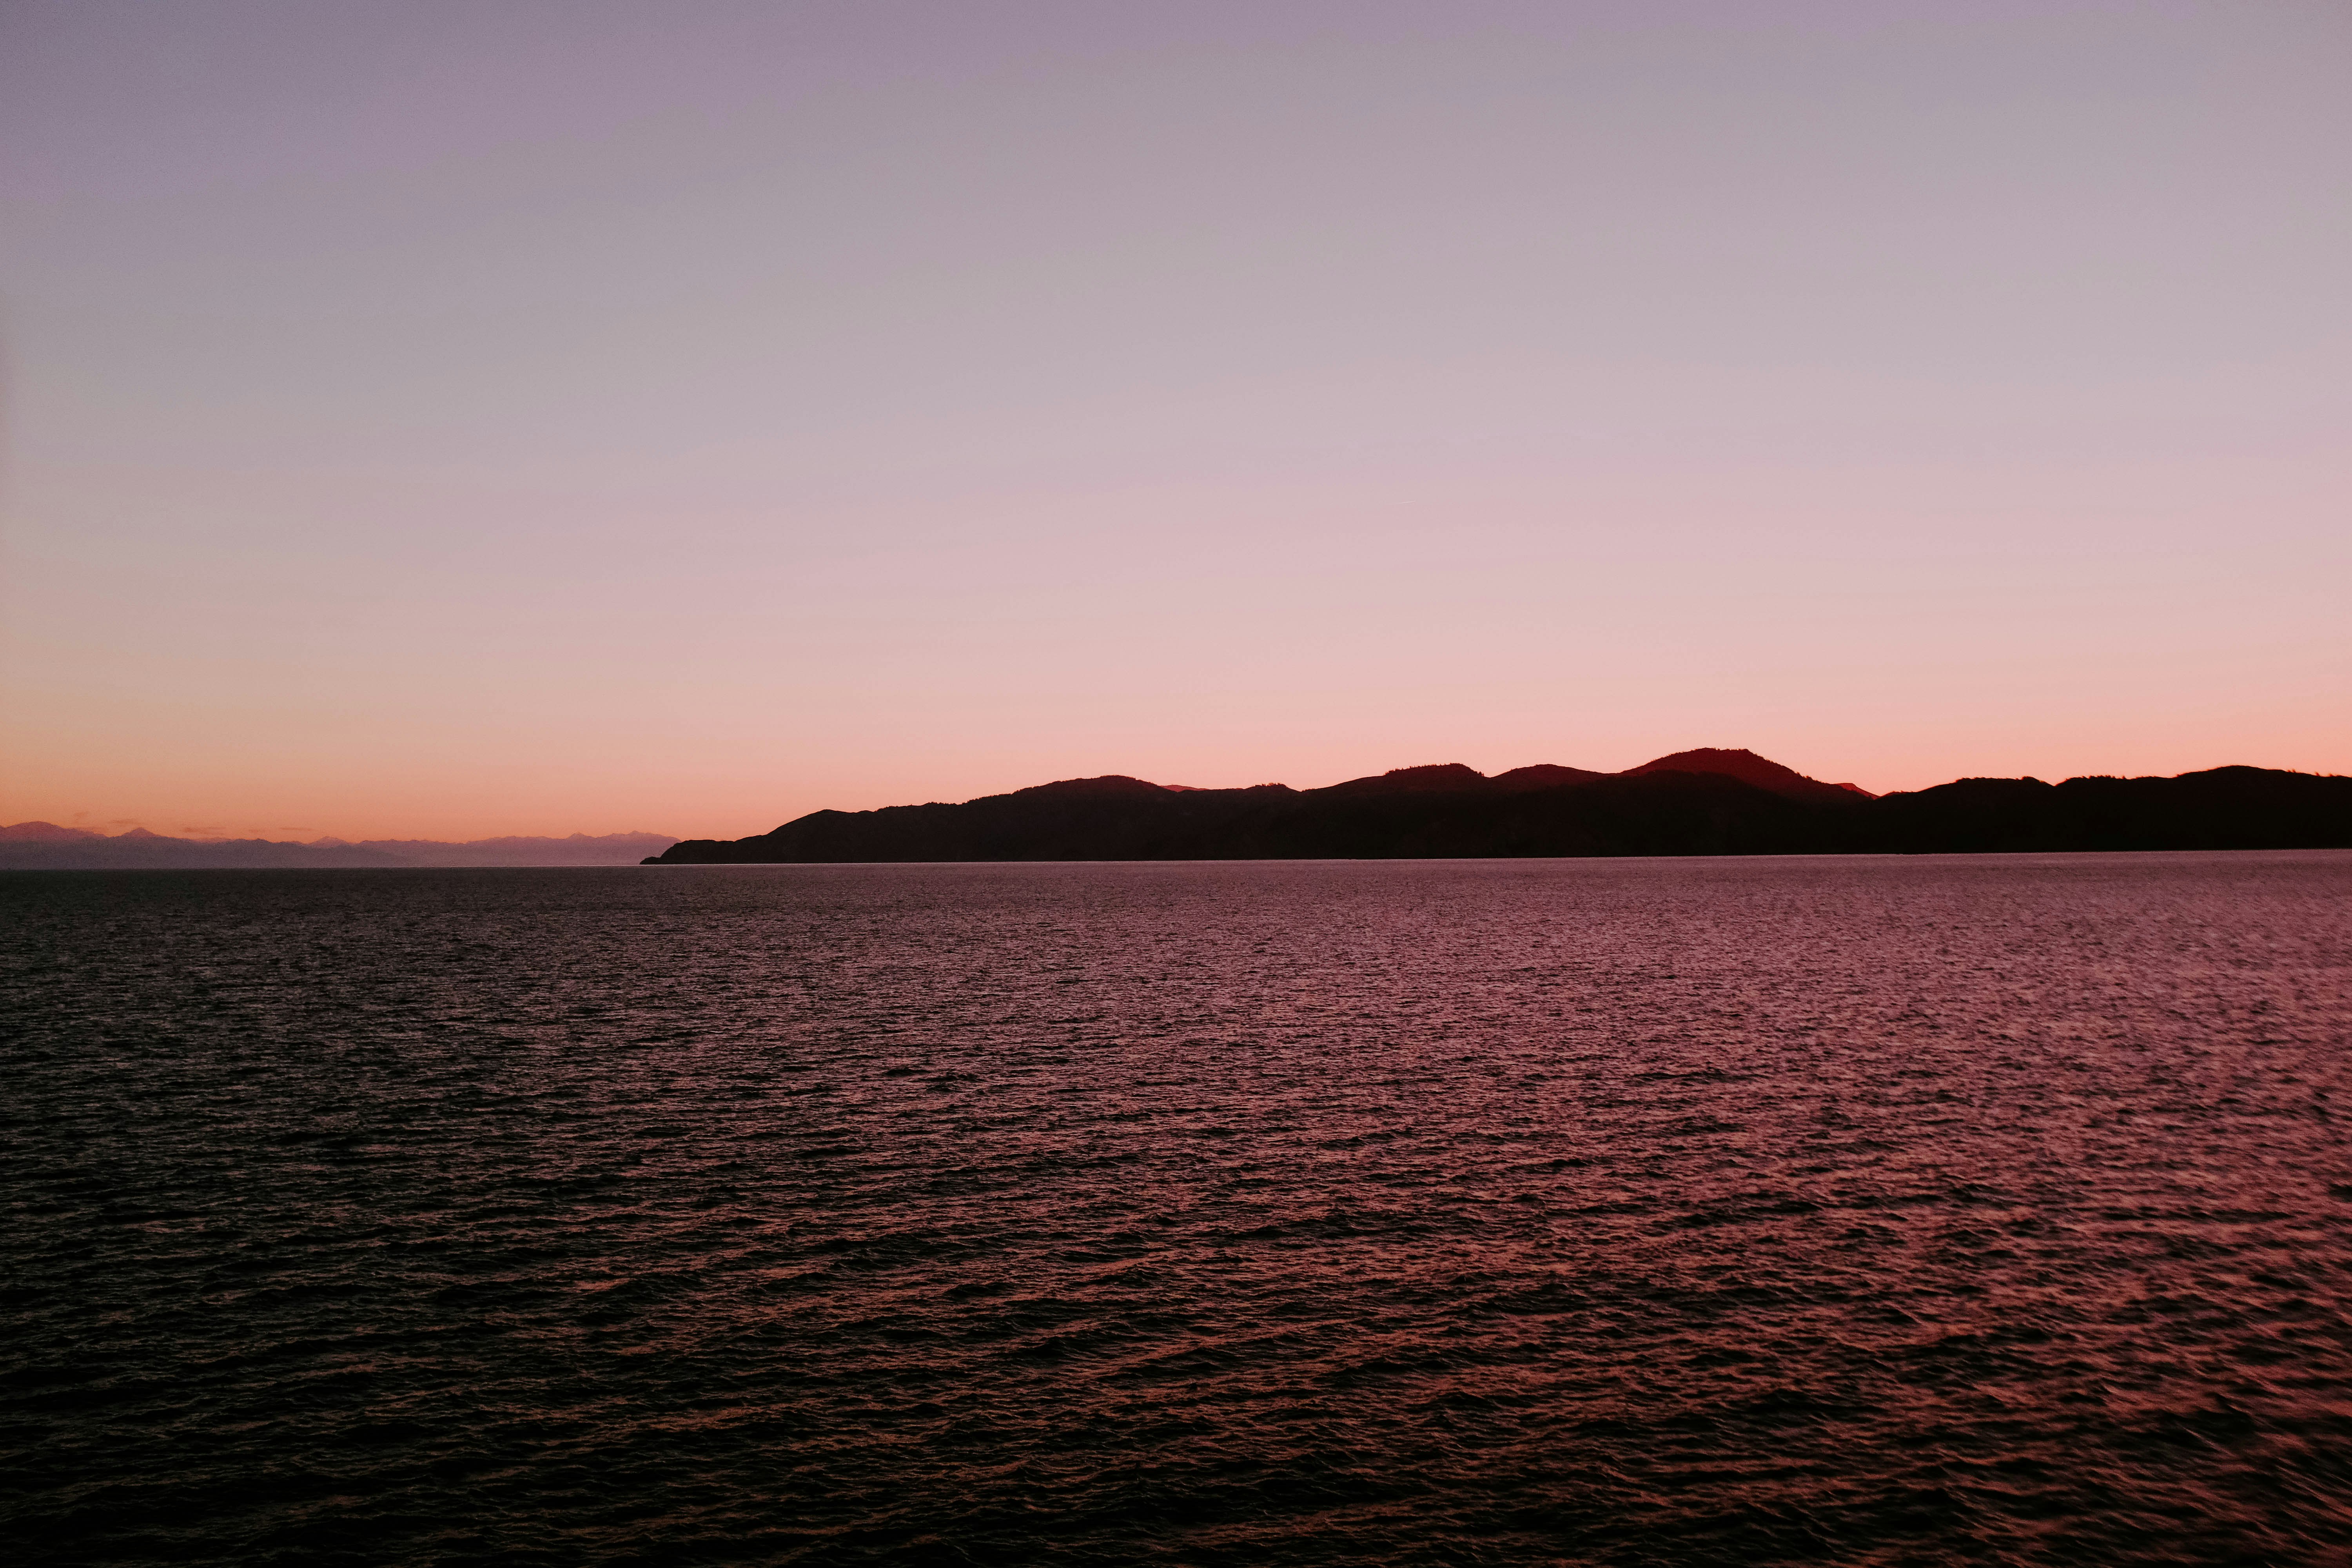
(450, 419)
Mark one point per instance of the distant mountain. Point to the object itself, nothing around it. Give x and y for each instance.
(579, 849)
(1444, 778)
(1705, 802)
(1749, 768)
(44, 846)
(140, 850)
(1544, 776)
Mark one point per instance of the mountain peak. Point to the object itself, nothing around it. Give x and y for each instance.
(1428, 777)
(45, 832)
(1105, 784)
(1748, 768)
(1544, 776)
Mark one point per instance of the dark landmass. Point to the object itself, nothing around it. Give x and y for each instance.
(1707, 801)
(46, 846)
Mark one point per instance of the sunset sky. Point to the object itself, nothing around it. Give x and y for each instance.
(453, 419)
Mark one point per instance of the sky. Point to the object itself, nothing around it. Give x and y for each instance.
(447, 419)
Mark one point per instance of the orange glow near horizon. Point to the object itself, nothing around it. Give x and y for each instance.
(704, 808)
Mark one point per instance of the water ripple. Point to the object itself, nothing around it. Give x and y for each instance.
(1684, 1212)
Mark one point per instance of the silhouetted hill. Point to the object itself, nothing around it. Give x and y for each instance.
(2219, 808)
(1708, 802)
(1543, 775)
(1443, 777)
(140, 850)
(1749, 768)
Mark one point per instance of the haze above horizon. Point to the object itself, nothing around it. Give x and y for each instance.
(447, 422)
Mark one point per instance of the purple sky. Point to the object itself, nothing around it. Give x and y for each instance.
(459, 419)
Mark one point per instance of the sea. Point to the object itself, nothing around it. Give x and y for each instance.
(1859, 1210)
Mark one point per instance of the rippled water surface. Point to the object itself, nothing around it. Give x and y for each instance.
(1653, 1212)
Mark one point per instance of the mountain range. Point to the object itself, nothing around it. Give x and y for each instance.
(45, 845)
(1710, 801)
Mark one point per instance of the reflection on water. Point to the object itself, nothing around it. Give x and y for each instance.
(1897, 1211)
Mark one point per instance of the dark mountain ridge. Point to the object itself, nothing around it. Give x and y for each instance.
(1705, 802)
(1749, 768)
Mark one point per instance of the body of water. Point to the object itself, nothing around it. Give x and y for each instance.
(1873, 1210)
